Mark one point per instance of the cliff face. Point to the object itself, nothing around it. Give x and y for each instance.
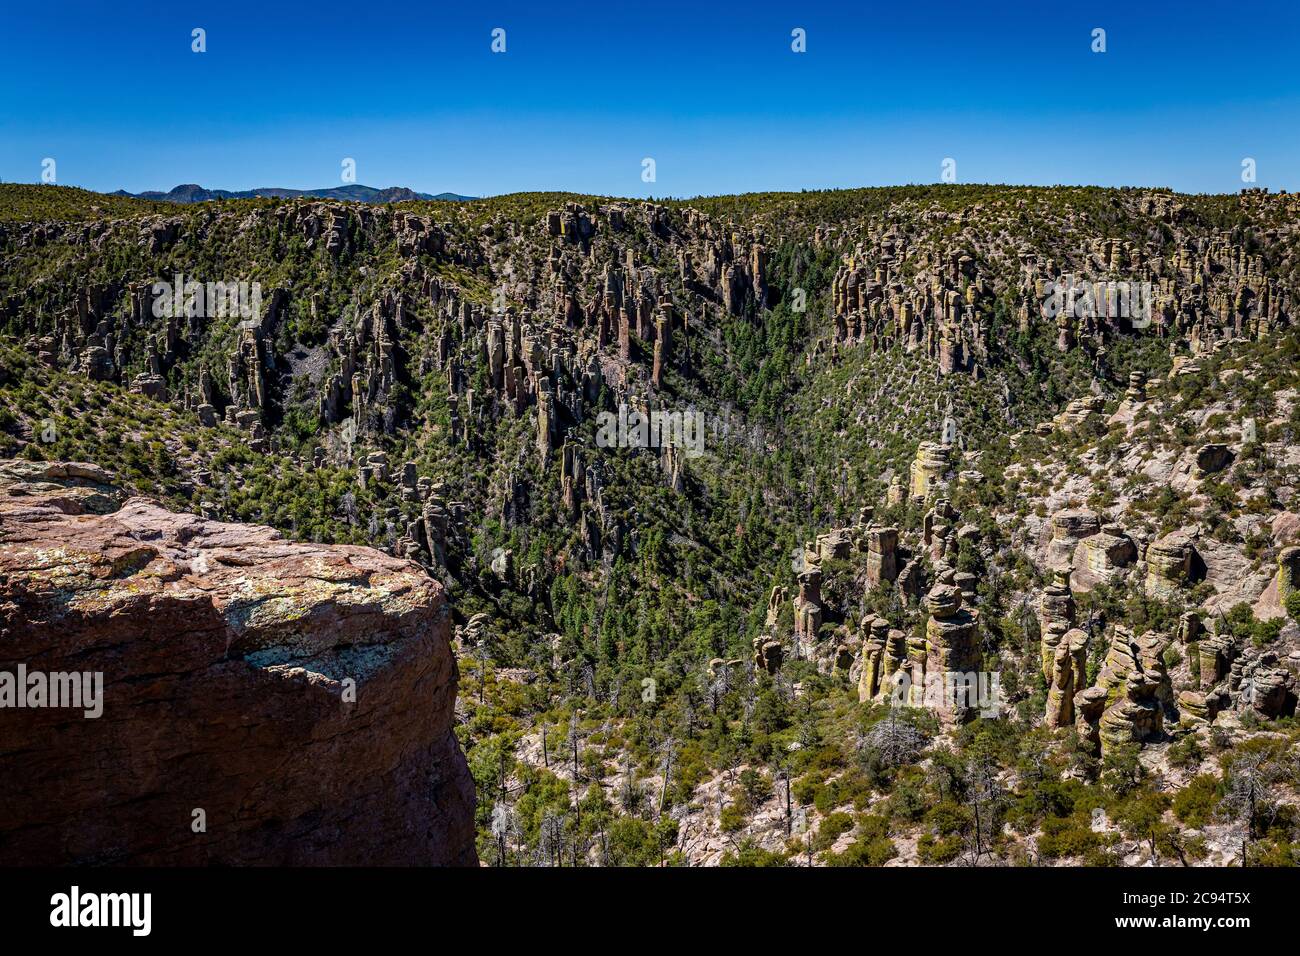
(263, 701)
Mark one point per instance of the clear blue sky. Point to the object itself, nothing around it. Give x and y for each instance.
(885, 91)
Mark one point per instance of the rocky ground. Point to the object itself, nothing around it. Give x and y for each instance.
(263, 701)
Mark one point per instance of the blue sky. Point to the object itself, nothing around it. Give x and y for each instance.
(710, 90)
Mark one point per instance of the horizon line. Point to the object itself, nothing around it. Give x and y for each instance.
(123, 193)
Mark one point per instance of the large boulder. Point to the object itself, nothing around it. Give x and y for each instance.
(263, 701)
(1102, 557)
(1172, 563)
(1069, 527)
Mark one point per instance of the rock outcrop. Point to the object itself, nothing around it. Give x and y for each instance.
(1068, 676)
(1069, 527)
(929, 467)
(1288, 574)
(1172, 562)
(951, 652)
(263, 701)
(1104, 555)
(1137, 689)
(808, 610)
(1056, 612)
(882, 559)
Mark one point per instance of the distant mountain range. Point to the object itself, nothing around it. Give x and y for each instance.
(190, 192)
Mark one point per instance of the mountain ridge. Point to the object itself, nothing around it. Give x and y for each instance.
(192, 193)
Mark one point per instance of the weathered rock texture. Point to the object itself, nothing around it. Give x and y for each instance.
(1171, 564)
(951, 648)
(928, 469)
(1137, 688)
(226, 654)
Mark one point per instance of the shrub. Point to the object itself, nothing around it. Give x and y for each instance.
(1186, 752)
(937, 850)
(1194, 804)
(832, 827)
(750, 854)
(733, 818)
(872, 847)
(1071, 836)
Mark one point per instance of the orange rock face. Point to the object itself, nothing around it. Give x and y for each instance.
(263, 701)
